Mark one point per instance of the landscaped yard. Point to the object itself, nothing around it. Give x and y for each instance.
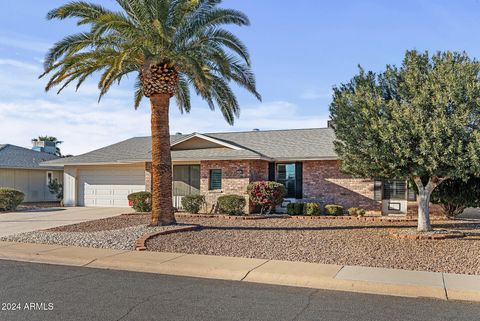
(333, 241)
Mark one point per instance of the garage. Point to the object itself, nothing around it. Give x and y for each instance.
(109, 187)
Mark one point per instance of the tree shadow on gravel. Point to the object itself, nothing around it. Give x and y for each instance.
(457, 226)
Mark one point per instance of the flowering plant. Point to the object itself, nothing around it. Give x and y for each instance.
(266, 194)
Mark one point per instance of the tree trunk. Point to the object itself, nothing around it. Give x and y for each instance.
(424, 193)
(162, 203)
(424, 211)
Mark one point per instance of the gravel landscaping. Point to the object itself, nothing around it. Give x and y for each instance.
(118, 232)
(342, 242)
(106, 224)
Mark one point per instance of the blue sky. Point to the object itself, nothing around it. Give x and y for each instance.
(299, 52)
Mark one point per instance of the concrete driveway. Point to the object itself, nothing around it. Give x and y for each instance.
(39, 219)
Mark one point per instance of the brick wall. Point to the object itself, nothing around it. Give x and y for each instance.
(235, 178)
(323, 179)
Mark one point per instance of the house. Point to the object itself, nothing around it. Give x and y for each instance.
(20, 169)
(216, 164)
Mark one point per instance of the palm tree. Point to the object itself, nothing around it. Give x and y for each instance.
(172, 46)
(53, 139)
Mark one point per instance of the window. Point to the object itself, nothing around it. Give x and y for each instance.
(215, 179)
(286, 175)
(49, 177)
(377, 190)
(394, 189)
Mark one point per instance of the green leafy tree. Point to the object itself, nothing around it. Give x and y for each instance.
(171, 46)
(53, 139)
(419, 121)
(455, 195)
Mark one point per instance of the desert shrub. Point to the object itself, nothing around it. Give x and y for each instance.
(356, 211)
(312, 208)
(10, 199)
(332, 209)
(141, 201)
(295, 208)
(231, 204)
(266, 194)
(56, 188)
(193, 203)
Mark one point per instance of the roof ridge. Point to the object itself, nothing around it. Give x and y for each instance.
(242, 131)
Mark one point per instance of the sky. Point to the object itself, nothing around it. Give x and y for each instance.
(300, 50)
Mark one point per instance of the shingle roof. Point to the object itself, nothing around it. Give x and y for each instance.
(12, 156)
(292, 144)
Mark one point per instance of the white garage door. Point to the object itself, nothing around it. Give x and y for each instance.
(109, 187)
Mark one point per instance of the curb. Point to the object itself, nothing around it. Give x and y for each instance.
(360, 279)
(140, 242)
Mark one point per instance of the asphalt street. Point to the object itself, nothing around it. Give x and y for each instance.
(31, 291)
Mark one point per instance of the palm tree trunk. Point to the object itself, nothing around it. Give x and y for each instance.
(162, 205)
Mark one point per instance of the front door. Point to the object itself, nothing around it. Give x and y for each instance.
(186, 181)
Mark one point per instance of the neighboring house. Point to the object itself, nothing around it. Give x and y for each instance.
(20, 169)
(218, 164)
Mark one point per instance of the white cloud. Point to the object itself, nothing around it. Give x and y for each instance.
(19, 64)
(23, 42)
(314, 94)
(76, 118)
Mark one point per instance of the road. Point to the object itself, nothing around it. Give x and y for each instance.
(74, 293)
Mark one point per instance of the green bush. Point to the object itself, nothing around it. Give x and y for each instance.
(10, 198)
(332, 209)
(312, 208)
(141, 201)
(356, 211)
(291, 209)
(295, 208)
(266, 194)
(231, 204)
(193, 203)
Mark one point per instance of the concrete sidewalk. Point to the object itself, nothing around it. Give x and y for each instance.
(311, 275)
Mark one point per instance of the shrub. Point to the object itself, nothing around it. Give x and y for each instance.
(231, 204)
(56, 188)
(291, 209)
(266, 194)
(141, 201)
(193, 203)
(356, 211)
(295, 208)
(10, 199)
(312, 208)
(332, 209)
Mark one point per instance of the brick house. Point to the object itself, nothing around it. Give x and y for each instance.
(218, 164)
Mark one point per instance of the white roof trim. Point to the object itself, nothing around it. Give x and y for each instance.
(210, 139)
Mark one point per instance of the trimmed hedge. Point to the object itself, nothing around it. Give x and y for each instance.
(300, 208)
(356, 211)
(193, 203)
(295, 208)
(10, 199)
(142, 201)
(332, 209)
(231, 204)
(312, 209)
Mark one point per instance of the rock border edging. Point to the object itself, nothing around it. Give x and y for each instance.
(140, 242)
